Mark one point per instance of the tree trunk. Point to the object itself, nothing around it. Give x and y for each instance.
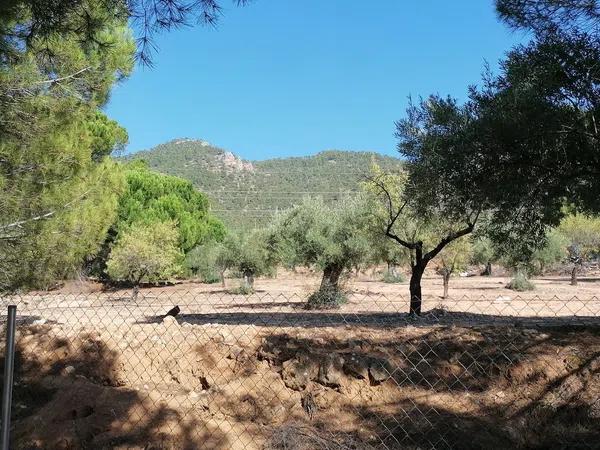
(574, 274)
(392, 270)
(249, 280)
(328, 296)
(415, 289)
(488, 269)
(446, 276)
(222, 274)
(135, 293)
(331, 277)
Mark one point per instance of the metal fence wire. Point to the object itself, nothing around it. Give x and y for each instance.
(102, 370)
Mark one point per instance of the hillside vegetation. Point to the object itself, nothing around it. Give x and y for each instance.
(250, 192)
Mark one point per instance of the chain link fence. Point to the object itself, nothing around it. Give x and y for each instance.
(102, 370)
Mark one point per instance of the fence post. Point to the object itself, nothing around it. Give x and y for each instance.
(9, 362)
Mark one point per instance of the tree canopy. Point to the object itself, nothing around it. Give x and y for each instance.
(25, 21)
(543, 16)
(145, 253)
(331, 238)
(154, 197)
(252, 253)
(53, 137)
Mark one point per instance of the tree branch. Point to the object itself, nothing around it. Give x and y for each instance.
(446, 240)
(42, 216)
(67, 77)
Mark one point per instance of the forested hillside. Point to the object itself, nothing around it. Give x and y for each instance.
(250, 192)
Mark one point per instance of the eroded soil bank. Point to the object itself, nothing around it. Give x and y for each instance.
(179, 385)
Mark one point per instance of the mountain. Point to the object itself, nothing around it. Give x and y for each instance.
(247, 193)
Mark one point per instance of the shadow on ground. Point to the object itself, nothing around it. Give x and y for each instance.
(70, 397)
(424, 382)
(465, 388)
(341, 318)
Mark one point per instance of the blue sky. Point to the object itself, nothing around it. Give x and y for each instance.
(294, 77)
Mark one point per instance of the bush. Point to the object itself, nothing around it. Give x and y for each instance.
(390, 277)
(210, 278)
(326, 298)
(242, 289)
(520, 283)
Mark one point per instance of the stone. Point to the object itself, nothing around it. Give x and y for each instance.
(356, 366)
(297, 373)
(331, 370)
(69, 370)
(380, 370)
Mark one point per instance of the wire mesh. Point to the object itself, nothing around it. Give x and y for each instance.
(109, 370)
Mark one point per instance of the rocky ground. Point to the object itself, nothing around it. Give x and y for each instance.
(172, 384)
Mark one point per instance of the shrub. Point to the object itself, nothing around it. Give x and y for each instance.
(326, 298)
(520, 283)
(242, 289)
(390, 277)
(210, 278)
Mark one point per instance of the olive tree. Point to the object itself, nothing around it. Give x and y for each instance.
(331, 238)
(423, 222)
(553, 251)
(252, 254)
(582, 233)
(145, 253)
(206, 262)
(454, 257)
(483, 254)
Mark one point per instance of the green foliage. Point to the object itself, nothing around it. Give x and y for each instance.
(393, 278)
(54, 248)
(500, 152)
(548, 16)
(326, 298)
(57, 194)
(247, 194)
(333, 239)
(539, 91)
(483, 251)
(204, 261)
(152, 197)
(251, 254)
(520, 283)
(242, 289)
(321, 235)
(145, 253)
(107, 135)
(384, 250)
(455, 256)
(553, 251)
(417, 225)
(23, 21)
(582, 234)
